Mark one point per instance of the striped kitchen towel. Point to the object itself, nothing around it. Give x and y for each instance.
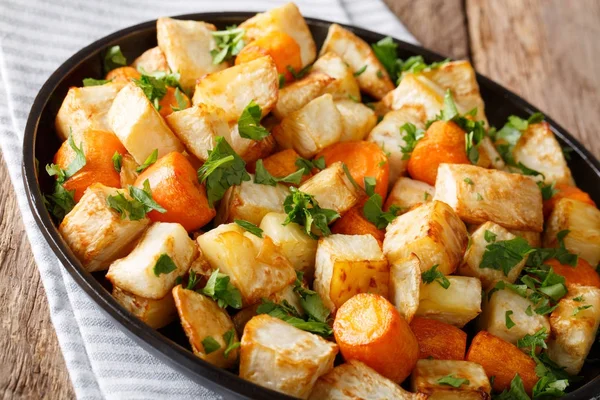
(36, 36)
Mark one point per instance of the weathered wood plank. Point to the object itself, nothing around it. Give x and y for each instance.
(547, 51)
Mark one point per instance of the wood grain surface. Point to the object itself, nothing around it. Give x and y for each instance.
(545, 50)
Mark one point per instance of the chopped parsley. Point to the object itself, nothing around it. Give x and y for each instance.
(281, 81)
(230, 342)
(222, 169)
(229, 43)
(360, 71)
(507, 320)
(354, 98)
(451, 380)
(372, 209)
(222, 291)
(263, 177)
(528, 171)
(507, 137)
(114, 58)
(210, 345)
(250, 227)
(303, 209)
(154, 89)
(515, 392)
(138, 205)
(192, 280)
(504, 255)
(181, 101)
(311, 301)
(468, 181)
(308, 165)
(117, 160)
(164, 265)
(151, 159)
(249, 126)
(95, 82)
(410, 135)
(299, 74)
(433, 274)
(581, 308)
(548, 191)
(538, 339)
(489, 236)
(288, 313)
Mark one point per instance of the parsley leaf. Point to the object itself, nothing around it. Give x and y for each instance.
(210, 345)
(372, 209)
(469, 181)
(154, 89)
(308, 165)
(303, 209)
(433, 274)
(140, 203)
(450, 380)
(192, 280)
(528, 171)
(411, 136)
(230, 342)
(114, 58)
(504, 255)
(223, 169)
(249, 123)
(516, 391)
(117, 160)
(60, 202)
(95, 82)
(553, 379)
(164, 265)
(222, 291)
(181, 102)
(286, 312)
(79, 161)
(167, 78)
(548, 191)
(311, 301)
(263, 177)
(511, 132)
(281, 81)
(507, 320)
(228, 43)
(250, 227)
(538, 339)
(489, 236)
(360, 71)
(144, 196)
(581, 308)
(299, 74)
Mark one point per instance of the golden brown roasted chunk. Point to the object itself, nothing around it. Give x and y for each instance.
(186, 46)
(201, 319)
(478, 195)
(433, 232)
(281, 357)
(332, 189)
(154, 313)
(418, 93)
(344, 85)
(297, 94)
(347, 265)
(357, 53)
(151, 60)
(355, 380)
(428, 378)
(96, 233)
(128, 174)
(408, 193)
(357, 120)
(405, 285)
(583, 222)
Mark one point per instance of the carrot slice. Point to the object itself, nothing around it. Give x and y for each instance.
(175, 187)
(353, 222)
(282, 164)
(362, 159)
(566, 191)
(284, 50)
(99, 148)
(439, 340)
(169, 101)
(502, 360)
(368, 328)
(581, 274)
(123, 74)
(444, 142)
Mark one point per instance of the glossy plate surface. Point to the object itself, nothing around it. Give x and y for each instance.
(41, 143)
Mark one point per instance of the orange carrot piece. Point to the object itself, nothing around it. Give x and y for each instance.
(502, 360)
(362, 159)
(284, 50)
(368, 328)
(169, 101)
(439, 340)
(99, 148)
(353, 222)
(581, 274)
(283, 163)
(568, 191)
(175, 187)
(123, 74)
(444, 142)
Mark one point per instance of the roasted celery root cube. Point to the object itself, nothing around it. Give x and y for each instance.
(408, 193)
(152, 60)
(311, 128)
(474, 255)
(493, 316)
(85, 108)
(139, 126)
(186, 46)
(533, 238)
(347, 265)
(388, 136)
(251, 202)
(96, 233)
(433, 232)
(234, 88)
(355, 380)
(197, 127)
(574, 326)
(154, 313)
(374, 80)
(297, 94)
(286, 19)
(427, 374)
(538, 149)
(332, 189)
(128, 174)
(405, 285)
(419, 93)
(456, 305)
(344, 85)
(281, 357)
(299, 248)
(201, 318)
(357, 120)
(137, 273)
(583, 222)
(478, 195)
(255, 266)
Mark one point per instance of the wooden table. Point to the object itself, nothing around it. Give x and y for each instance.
(548, 51)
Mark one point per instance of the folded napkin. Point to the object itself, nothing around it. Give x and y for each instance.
(36, 36)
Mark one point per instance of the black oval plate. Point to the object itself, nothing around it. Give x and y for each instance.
(41, 142)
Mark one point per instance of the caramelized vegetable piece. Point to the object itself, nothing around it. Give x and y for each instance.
(353, 222)
(450, 380)
(502, 360)
(439, 340)
(280, 46)
(368, 328)
(175, 187)
(362, 159)
(568, 191)
(583, 274)
(170, 101)
(444, 142)
(99, 148)
(123, 75)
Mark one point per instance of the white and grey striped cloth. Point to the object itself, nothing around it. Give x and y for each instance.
(36, 36)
